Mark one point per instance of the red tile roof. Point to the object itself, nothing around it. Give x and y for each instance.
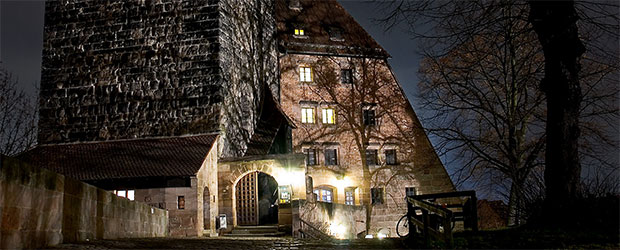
(156, 157)
(317, 18)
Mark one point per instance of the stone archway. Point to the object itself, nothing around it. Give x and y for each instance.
(206, 211)
(256, 195)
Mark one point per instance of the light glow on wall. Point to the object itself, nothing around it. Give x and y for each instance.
(289, 177)
(337, 230)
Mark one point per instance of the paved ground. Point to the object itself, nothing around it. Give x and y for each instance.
(234, 243)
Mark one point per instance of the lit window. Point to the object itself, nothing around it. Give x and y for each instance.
(324, 194)
(299, 32)
(310, 157)
(349, 196)
(181, 202)
(390, 157)
(371, 157)
(331, 157)
(307, 115)
(305, 74)
(346, 76)
(410, 191)
(329, 116)
(129, 194)
(377, 195)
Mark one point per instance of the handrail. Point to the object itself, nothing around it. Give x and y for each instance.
(321, 235)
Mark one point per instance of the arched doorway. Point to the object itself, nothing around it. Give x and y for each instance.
(256, 199)
(206, 199)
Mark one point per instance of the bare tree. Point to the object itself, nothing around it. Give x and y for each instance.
(18, 116)
(451, 28)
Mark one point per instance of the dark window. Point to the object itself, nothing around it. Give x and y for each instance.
(346, 76)
(331, 157)
(371, 157)
(410, 191)
(377, 195)
(369, 117)
(181, 202)
(310, 157)
(390, 157)
(335, 34)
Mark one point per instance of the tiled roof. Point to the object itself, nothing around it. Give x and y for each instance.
(318, 18)
(156, 157)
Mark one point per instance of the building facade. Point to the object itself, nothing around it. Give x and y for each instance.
(266, 112)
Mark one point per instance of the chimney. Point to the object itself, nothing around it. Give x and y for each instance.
(294, 5)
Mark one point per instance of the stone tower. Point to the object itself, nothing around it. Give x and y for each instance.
(139, 69)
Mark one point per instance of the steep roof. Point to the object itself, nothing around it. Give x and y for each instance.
(319, 18)
(157, 157)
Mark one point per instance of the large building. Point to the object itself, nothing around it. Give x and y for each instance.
(269, 112)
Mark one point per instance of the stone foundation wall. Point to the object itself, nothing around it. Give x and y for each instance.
(329, 217)
(40, 208)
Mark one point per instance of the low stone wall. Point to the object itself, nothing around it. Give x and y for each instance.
(40, 208)
(339, 220)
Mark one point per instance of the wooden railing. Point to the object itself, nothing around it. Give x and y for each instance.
(307, 230)
(446, 217)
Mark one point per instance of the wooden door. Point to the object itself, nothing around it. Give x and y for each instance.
(247, 200)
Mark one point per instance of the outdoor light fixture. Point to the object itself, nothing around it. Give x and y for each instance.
(369, 236)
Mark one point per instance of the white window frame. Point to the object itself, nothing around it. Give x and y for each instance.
(307, 115)
(305, 74)
(325, 115)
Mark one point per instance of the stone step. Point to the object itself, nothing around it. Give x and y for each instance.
(278, 234)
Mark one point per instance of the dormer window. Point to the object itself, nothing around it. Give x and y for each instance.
(335, 34)
(299, 32)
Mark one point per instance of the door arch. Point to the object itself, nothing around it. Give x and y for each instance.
(256, 195)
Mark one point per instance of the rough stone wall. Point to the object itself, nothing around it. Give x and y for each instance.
(128, 69)
(39, 208)
(249, 64)
(397, 128)
(325, 216)
(286, 170)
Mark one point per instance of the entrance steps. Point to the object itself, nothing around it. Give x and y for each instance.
(255, 231)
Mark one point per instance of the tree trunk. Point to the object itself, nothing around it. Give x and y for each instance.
(514, 203)
(555, 25)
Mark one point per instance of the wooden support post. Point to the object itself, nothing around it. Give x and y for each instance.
(427, 222)
(474, 211)
(447, 230)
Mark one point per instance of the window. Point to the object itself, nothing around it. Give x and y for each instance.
(371, 157)
(299, 32)
(129, 194)
(310, 157)
(390, 157)
(307, 115)
(331, 157)
(369, 117)
(349, 196)
(410, 191)
(181, 202)
(324, 194)
(377, 195)
(329, 116)
(346, 76)
(335, 34)
(305, 74)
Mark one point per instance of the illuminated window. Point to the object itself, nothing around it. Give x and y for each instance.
(285, 194)
(349, 196)
(371, 157)
(377, 195)
(299, 32)
(331, 157)
(307, 115)
(390, 157)
(181, 202)
(410, 191)
(324, 194)
(305, 74)
(346, 76)
(329, 116)
(310, 157)
(129, 194)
